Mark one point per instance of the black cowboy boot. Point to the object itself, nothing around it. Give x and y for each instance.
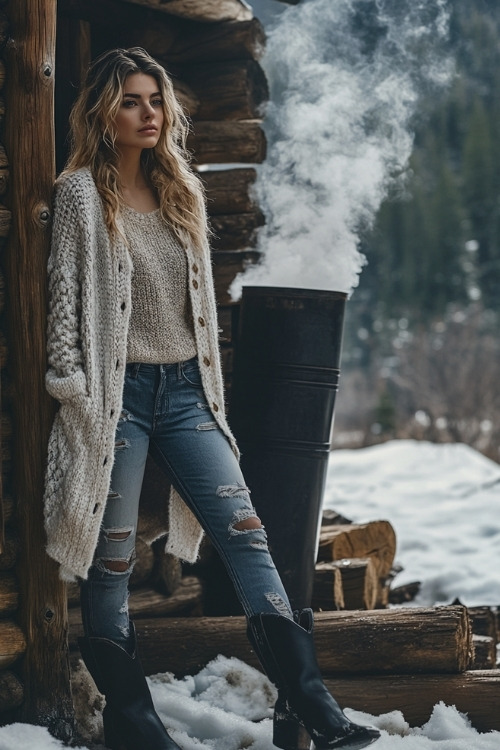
(130, 720)
(304, 709)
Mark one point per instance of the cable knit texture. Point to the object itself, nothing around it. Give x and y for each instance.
(90, 292)
(161, 327)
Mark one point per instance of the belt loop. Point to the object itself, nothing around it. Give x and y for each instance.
(137, 367)
(179, 370)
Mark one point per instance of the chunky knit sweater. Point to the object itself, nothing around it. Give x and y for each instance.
(160, 330)
(90, 302)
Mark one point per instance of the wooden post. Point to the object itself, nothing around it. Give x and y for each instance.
(29, 141)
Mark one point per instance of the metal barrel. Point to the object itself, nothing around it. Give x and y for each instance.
(285, 380)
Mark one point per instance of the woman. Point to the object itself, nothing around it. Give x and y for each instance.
(134, 362)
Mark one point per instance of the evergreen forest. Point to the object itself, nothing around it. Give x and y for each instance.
(421, 354)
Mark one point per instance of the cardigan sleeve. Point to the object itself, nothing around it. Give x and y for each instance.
(65, 377)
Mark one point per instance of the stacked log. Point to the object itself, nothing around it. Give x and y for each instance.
(404, 659)
(354, 565)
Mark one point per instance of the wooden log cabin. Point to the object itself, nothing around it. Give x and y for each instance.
(212, 50)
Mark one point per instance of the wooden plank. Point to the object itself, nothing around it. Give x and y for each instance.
(235, 231)
(200, 10)
(30, 57)
(375, 539)
(229, 191)
(379, 641)
(228, 142)
(10, 551)
(475, 693)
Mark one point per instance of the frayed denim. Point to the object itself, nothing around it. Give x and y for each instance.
(165, 413)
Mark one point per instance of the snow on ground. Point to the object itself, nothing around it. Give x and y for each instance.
(443, 502)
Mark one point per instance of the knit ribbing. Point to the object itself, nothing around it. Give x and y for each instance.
(161, 327)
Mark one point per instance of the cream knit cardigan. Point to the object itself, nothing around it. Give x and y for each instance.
(90, 303)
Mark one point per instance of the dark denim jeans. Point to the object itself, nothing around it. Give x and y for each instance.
(165, 413)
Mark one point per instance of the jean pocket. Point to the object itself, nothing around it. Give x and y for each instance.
(191, 373)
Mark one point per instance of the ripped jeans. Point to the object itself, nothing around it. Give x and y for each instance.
(165, 413)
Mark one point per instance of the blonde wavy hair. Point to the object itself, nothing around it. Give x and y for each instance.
(166, 166)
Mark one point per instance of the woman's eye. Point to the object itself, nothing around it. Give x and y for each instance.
(156, 103)
(129, 103)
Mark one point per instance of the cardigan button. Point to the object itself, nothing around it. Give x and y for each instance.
(201, 321)
(215, 407)
(195, 284)
(123, 305)
(96, 508)
(206, 361)
(195, 267)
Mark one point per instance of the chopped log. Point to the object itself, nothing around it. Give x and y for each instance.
(352, 583)
(11, 691)
(226, 90)
(9, 594)
(235, 231)
(227, 265)
(484, 621)
(200, 10)
(12, 643)
(392, 641)
(10, 551)
(485, 652)
(228, 142)
(327, 592)
(375, 539)
(228, 190)
(474, 693)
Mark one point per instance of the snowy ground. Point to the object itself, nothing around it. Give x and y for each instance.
(442, 501)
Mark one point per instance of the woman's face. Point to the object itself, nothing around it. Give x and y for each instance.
(140, 118)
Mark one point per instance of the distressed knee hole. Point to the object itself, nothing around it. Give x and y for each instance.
(121, 444)
(253, 522)
(245, 521)
(116, 566)
(112, 495)
(117, 535)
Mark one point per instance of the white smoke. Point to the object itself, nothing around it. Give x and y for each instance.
(345, 79)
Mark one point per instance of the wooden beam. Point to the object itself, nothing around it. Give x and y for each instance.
(226, 90)
(229, 190)
(187, 42)
(30, 58)
(228, 142)
(475, 693)
(200, 10)
(235, 231)
(380, 641)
